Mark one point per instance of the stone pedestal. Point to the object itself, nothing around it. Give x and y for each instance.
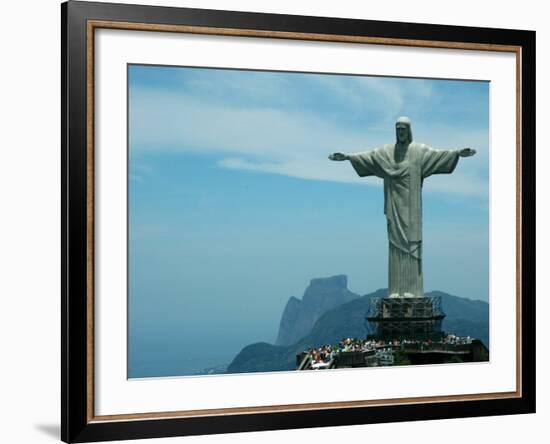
(405, 318)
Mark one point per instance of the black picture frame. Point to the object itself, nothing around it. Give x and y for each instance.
(77, 420)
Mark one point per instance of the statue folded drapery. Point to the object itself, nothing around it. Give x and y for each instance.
(403, 166)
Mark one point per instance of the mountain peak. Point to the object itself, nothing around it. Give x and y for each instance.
(321, 295)
(337, 281)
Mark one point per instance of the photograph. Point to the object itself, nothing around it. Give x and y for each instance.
(290, 221)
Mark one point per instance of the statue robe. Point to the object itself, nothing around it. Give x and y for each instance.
(403, 206)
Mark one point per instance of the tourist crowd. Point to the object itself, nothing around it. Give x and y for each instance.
(322, 356)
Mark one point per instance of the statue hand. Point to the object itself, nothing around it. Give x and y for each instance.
(338, 156)
(466, 152)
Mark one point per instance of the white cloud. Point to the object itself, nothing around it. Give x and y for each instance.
(301, 168)
(160, 120)
(293, 142)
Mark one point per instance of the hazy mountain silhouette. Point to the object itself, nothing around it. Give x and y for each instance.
(299, 316)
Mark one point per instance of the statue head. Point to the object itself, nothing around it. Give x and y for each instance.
(403, 130)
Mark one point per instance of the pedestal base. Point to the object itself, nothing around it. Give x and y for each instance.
(405, 318)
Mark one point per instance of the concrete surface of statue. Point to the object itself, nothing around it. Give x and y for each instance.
(404, 165)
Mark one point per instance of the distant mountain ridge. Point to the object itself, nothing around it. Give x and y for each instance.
(465, 317)
(299, 316)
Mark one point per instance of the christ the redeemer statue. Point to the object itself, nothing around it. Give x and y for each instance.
(404, 165)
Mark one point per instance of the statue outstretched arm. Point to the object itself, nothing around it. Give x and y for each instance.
(338, 156)
(466, 152)
(366, 163)
(442, 161)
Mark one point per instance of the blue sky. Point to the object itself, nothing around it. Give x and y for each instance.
(234, 206)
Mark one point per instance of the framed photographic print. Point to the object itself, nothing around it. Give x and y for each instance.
(275, 221)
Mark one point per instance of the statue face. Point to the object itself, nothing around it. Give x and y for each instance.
(402, 132)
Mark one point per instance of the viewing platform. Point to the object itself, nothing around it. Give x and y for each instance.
(405, 318)
(352, 353)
